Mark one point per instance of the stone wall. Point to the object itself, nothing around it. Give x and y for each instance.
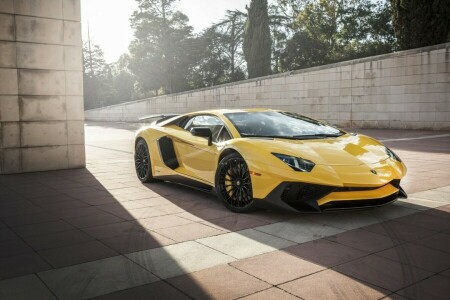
(408, 89)
(41, 88)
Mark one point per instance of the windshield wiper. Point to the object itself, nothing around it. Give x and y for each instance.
(295, 137)
(316, 136)
(267, 136)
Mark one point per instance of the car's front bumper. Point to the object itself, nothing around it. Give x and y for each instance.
(308, 197)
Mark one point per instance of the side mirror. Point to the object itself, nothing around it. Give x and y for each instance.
(202, 132)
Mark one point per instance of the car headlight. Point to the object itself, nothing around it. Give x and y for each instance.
(296, 163)
(392, 155)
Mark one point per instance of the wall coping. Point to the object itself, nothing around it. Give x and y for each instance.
(290, 73)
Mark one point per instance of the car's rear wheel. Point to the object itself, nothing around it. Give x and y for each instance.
(233, 184)
(142, 162)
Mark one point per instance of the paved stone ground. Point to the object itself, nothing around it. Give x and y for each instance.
(98, 232)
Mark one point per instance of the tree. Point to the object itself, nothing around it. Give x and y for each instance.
(257, 40)
(420, 23)
(123, 81)
(97, 77)
(212, 68)
(280, 30)
(327, 31)
(232, 31)
(164, 48)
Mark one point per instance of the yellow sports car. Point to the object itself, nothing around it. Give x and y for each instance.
(257, 157)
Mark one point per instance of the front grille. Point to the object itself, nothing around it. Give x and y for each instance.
(304, 196)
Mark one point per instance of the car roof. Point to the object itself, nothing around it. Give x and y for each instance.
(225, 111)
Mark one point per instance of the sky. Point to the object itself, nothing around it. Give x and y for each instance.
(109, 23)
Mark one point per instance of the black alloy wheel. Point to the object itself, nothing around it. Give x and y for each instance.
(233, 184)
(142, 162)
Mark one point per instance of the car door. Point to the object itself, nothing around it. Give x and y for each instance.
(197, 157)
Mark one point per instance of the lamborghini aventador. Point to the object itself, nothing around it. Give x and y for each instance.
(257, 157)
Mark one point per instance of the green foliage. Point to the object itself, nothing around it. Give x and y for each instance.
(96, 76)
(164, 49)
(167, 57)
(105, 84)
(221, 59)
(327, 31)
(420, 23)
(257, 41)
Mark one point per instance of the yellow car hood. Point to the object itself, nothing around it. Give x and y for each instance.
(347, 150)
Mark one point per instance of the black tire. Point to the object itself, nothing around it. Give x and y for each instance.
(142, 162)
(233, 184)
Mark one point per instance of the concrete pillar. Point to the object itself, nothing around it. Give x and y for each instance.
(41, 86)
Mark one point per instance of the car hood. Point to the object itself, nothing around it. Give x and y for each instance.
(347, 150)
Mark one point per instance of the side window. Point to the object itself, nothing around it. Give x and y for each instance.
(218, 129)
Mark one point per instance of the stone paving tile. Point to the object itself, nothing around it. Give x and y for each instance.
(245, 243)
(117, 229)
(441, 212)
(131, 243)
(434, 195)
(24, 288)
(189, 232)
(389, 212)
(436, 287)
(22, 264)
(395, 297)
(29, 219)
(14, 247)
(276, 267)
(156, 290)
(427, 221)
(417, 203)
(77, 254)
(43, 228)
(221, 282)
(20, 209)
(325, 253)
(96, 278)
(445, 273)
(7, 234)
(419, 256)
(364, 240)
(100, 218)
(440, 241)
(237, 222)
(163, 222)
(444, 189)
(299, 231)
(207, 214)
(344, 220)
(178, 259)
(383, 272)
(401, 231)
(271, 294)
(57, 240)
(329, 284)
(71, 209)
(141, 213)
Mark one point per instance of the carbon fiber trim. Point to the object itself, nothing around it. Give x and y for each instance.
(165, 145)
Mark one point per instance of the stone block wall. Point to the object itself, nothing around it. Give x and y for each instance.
(41, 86)
(409, 89)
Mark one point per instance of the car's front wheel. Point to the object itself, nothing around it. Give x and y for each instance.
(233, 184)
(142, 162)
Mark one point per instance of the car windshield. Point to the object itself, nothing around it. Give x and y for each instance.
(275, 124)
